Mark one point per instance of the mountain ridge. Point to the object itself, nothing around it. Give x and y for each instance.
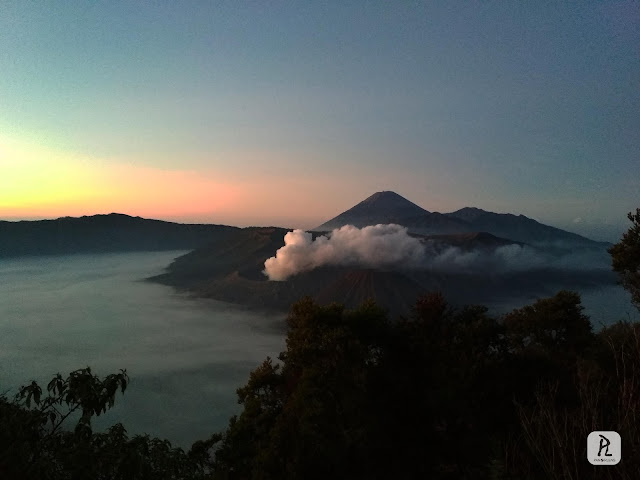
(120, 232)
(393, 208)
(114, 232)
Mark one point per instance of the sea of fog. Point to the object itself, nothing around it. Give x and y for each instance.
(186, 357)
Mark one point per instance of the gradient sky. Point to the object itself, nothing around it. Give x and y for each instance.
(290, 112)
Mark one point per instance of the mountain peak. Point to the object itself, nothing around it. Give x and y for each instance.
(381, 207)
(389, 199)
(384, 195)
(468, 214)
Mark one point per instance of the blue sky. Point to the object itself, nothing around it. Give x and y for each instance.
(290, 112)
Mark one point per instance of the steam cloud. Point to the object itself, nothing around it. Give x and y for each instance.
(391, 246)
(374, 247)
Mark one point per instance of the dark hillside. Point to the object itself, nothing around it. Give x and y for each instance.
(471, 240)
(519, 228)
(103, 233)
(434, 223)
(243, 251)
(392, 289)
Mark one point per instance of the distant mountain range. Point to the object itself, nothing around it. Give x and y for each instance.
(118, 232)
(103, 233)
(389, 207)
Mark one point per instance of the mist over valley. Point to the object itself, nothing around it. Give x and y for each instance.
(185, 356)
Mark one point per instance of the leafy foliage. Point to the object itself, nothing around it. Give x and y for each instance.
(626, 258)
(35, 443)
(443, 394)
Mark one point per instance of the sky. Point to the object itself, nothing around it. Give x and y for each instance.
(288, 113)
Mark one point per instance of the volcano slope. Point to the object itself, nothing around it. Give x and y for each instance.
(230, 269)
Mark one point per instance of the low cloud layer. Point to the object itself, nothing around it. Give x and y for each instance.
(391, 247)
(505, 258)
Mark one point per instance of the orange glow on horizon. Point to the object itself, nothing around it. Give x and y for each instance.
(40, 182)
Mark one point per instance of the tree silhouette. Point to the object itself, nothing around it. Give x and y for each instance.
(626, 258)
(37, 443)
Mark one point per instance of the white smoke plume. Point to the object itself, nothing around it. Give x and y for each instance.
(375, 246)
(390, 246)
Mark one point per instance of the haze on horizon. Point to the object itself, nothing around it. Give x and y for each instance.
(248, 114)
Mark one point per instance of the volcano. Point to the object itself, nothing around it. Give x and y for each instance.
(230, 267)
(381, 207)
(389, 207)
